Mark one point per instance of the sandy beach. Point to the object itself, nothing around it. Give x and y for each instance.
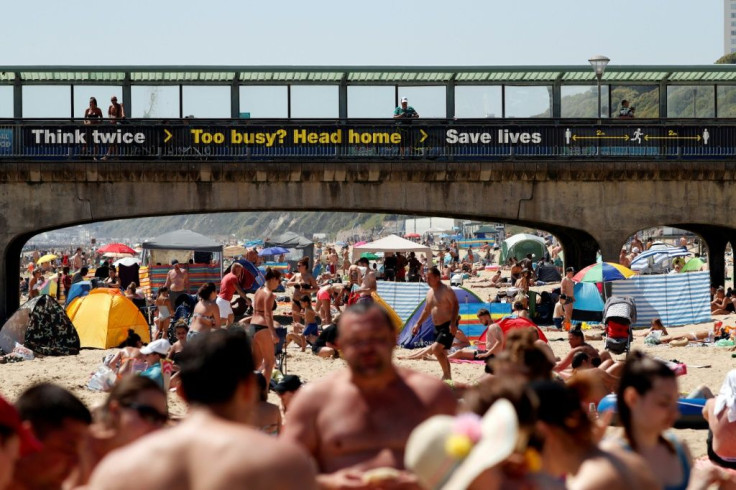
(706, 365)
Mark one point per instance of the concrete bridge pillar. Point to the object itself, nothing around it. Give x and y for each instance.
(9, 274)
(579, 247)
(716, 238)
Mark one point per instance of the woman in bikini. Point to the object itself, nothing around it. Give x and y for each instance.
(206, 314)
(163, 319)
(303, 283)
(307, 333)
(264, 333)
(129, 357)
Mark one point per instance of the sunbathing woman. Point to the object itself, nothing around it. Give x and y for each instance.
(129, 354)
(206, 316)
(721, 304)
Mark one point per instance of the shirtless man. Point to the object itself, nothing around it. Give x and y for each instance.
(567, 288)
(345, 260)
(177, 280)
(442, 304)
(355, 276)
(577, 344)
(368, 285)
(77, 260)
(359, 418)
(206, 449)
(494, 340)
(333, 258)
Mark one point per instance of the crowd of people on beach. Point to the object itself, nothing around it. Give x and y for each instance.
(529, 420)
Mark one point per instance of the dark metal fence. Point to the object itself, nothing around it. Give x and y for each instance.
(264, 140)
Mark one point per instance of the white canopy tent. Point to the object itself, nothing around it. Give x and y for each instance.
(392, 243)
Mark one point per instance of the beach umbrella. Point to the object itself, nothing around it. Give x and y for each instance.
(340, 244)
(234, 250)
(693, 265)
(369, 256)
(127, 261)
(46, 258)
(116, 248)
(603, 272)
(273, 251)
(412, 235)
(360, 243)
(116, 255)
(657, 257)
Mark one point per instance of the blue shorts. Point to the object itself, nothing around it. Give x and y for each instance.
(311, 329)
(558, 322)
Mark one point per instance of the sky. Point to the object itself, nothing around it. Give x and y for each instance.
(381, 32)
(343, 33)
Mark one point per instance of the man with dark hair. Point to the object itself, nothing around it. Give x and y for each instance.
(80, 276)
(442, 304)
(576, 339)
(493, 345)
(368, 285)
(60, 422)
(212, 448)
(359, 419)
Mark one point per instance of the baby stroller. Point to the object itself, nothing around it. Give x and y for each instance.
(618, 315)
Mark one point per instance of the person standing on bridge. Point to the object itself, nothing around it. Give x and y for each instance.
(115, 112)
(405, 113)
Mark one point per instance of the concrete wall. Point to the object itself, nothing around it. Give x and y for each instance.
(588, 205)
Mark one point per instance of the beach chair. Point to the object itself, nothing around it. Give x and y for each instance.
(280, 350)
(618, 315)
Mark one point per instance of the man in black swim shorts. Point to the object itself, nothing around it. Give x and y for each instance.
(442, 304)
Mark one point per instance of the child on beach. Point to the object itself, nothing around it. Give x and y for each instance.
(307, 333)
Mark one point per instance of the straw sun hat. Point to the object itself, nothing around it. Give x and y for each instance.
(448, 453)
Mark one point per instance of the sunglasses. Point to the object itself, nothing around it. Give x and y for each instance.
(148, 413)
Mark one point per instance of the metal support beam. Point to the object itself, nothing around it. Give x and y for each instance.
(557, 99)
(342, 97)
(235, 98)
(71, 97)
(396, 96)
(662, 99)
(181, 101)
(288, 101)
(450, 99)
(17, 97)
(127, 97)
(503, 101)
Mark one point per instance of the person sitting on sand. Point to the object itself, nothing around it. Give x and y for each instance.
(576, 339)
(286, 389)
(155, 353)
(324, 346)
(721, 304)
(307, 333)
(608, 373)
(265, 417)
(460, 342)
(180, 330)
(654, 326)
(348, 421)
(206, 449)
(129, 358)
(136, 406)
(493, 344)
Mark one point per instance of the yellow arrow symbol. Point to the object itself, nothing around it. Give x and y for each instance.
(424, 135)
(576, 137)
(168, 135)
(696, 138)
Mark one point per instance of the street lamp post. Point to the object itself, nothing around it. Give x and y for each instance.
(599, 66)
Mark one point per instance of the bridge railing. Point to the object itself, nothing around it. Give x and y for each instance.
(263, 140)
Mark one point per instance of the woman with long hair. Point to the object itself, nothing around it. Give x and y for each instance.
(264, 333)
(647, 408)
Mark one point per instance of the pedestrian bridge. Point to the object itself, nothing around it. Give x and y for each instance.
(591, 185)
(591, 181)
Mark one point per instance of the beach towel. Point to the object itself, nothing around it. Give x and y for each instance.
(726, 398)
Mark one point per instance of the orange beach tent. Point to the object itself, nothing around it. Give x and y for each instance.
(103, 317)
